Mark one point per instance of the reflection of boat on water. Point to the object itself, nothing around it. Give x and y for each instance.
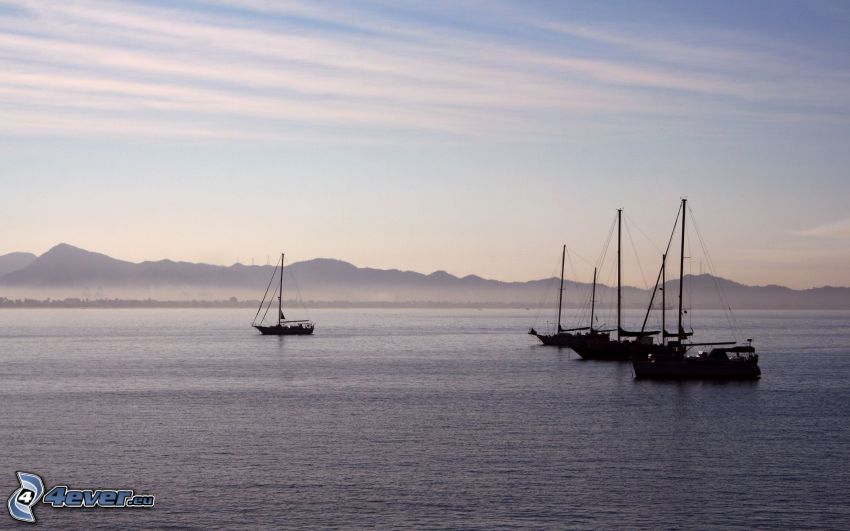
(283, 327)
(670, 360)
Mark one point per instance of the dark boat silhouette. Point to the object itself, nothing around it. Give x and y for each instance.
(670, 360)
(626, 344)
(283, 327)
(738, 362)
(567, 337)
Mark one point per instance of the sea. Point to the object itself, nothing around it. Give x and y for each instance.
(417, 419)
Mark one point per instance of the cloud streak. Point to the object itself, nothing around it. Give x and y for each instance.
(256, 68)
(837, 230)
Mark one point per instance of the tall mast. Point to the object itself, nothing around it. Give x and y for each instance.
(280, 293)
(592, 300)
(663, 299)
(619, 275)
(561, 291)
(679, 332)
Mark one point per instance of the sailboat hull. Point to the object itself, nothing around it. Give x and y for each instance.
(559, 340)
(592, 344)
(696, 368)
(282, 330)
(606, 350)
(604, 353)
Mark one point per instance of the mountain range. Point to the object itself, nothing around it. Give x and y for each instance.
(68, 271)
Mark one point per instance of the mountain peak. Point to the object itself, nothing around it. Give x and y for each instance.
(69, 254)
(14, 261)
(66, 249)
(325, 263)
(442, 275)
(64, 263)
(63, 245)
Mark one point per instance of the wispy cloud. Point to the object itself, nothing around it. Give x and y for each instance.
(837, 230)
(262, 68)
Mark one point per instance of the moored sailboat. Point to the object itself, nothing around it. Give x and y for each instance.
(670, 360)
(283, 327)
(626, 344)
(739, 362)
(564, 337)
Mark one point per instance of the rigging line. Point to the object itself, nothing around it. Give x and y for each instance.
(572, 267)
(601, 262)
(689, 292)
(544, 303)
(712, 271)
(298, 292)
(264, 295)
(611, 280)
(584, 307)
(578, 297)
(687, 284)
(658, 278)
(651, 242)
(730, 315)
(637, 259)
(602, 294)
(574, 282)
(269, 305)
(605, 247)
(652, 299)
(582, 298)
(580, 257)
(599, 265)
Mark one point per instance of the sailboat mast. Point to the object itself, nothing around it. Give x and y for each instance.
(280, 293)
(681, 330)
(592, 300)
(561, 290)
(619, 273)
(663, 299)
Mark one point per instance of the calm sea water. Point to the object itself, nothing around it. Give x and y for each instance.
(417, 418)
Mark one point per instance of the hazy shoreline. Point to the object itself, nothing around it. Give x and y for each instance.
(67, 276)
(72, 303)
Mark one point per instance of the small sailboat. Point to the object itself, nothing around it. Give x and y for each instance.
(565, 337)
(283, 327)
(670, 359)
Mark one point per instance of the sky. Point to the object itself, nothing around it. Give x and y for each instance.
(475, 137)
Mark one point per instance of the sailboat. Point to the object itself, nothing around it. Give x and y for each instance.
(565, 337)
(283, 327)
(627, 344)
(669, 360)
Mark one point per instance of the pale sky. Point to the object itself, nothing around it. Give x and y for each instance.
(470, 136)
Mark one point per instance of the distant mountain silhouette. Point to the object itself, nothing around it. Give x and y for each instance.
(14, 261)
(65, 265)
(68, 271)
(703, 289)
